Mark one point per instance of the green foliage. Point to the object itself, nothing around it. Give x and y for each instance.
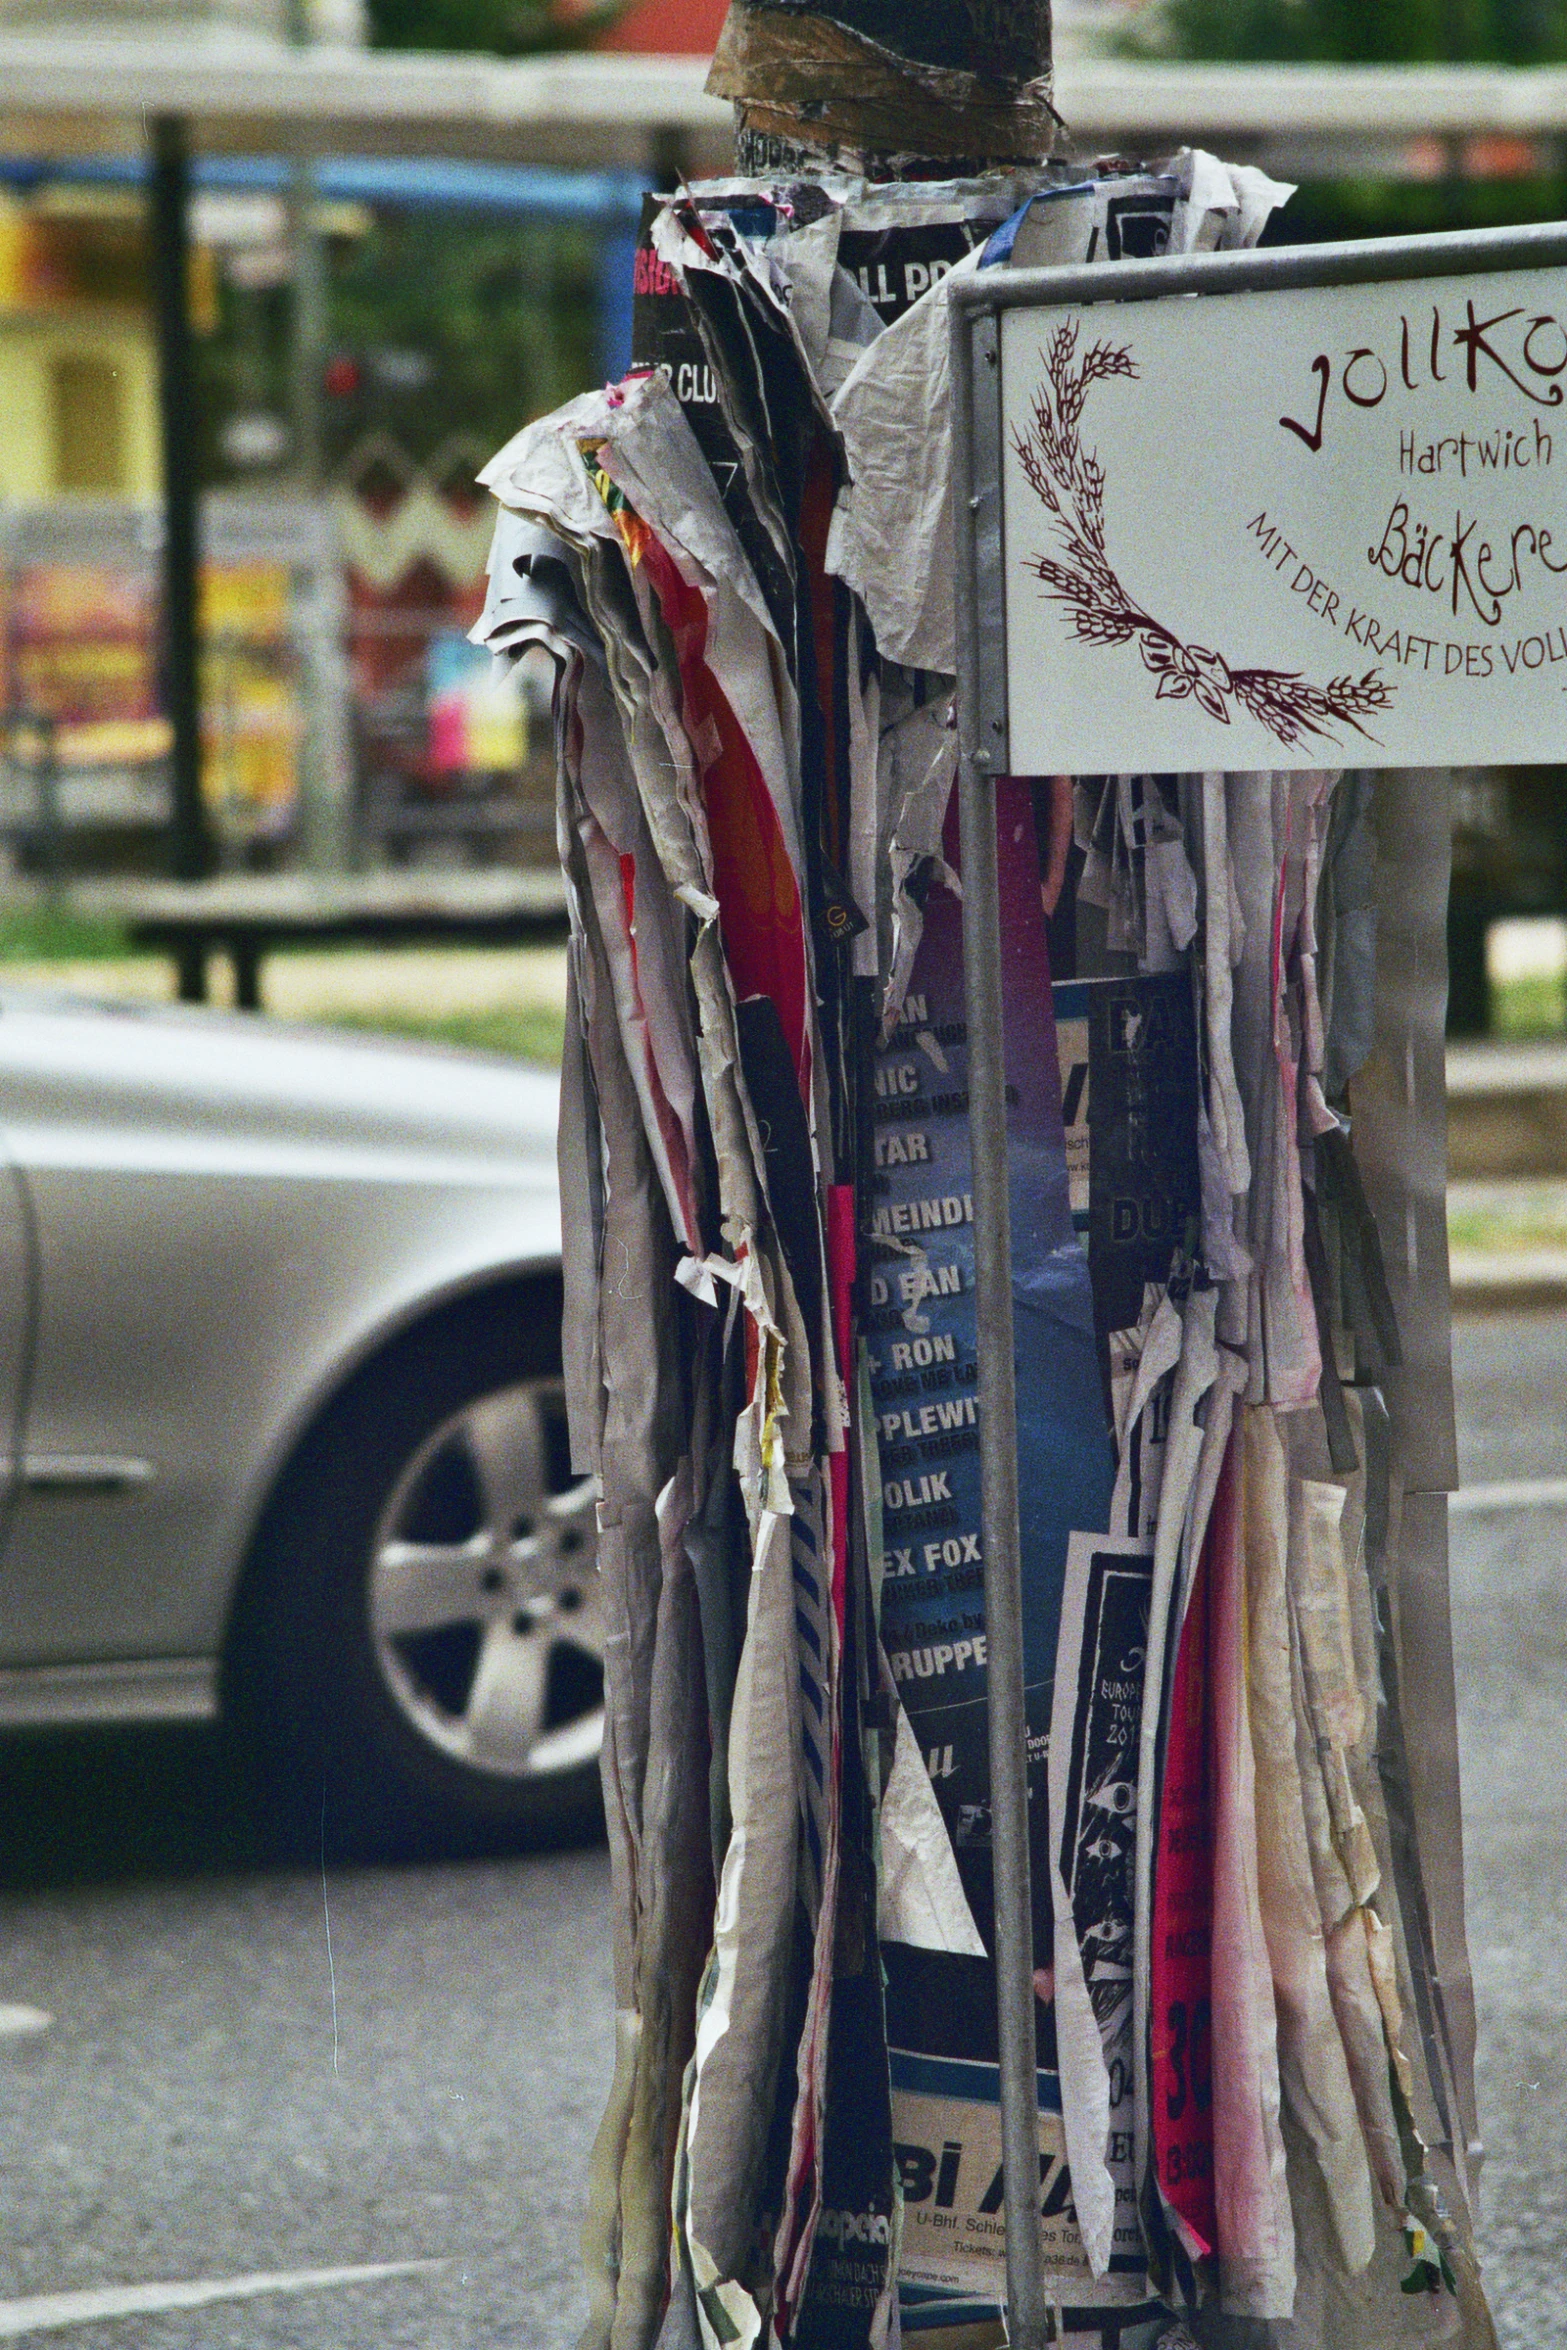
(505, 312)
(1376, 32)
(509, 28)
(1363, 32)
(41, 933)
(531, 1032)
(1326, 209)
(1531, 1007)
(502, 313)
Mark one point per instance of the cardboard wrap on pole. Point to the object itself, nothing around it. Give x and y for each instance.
(902, 87)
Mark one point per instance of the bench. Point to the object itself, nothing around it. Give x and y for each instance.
(246, 916)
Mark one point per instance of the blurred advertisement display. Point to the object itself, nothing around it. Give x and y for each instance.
(250, 708)
(81, 677)
(82, 643)
(477, 710)
(84, 661)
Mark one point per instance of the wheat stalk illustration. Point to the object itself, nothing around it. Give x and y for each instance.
(1069, 482)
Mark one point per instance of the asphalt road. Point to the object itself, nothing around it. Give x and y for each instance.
(195, 2112)
(1510, 1655)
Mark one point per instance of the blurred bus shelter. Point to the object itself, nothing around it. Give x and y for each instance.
(240, 540)
(356, 590)
(172, 185)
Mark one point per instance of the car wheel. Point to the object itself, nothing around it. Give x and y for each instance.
(421, 1635)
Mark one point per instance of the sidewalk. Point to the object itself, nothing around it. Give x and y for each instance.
(1507, 1158)
(1507, 1244)
(1500, 1281)
(1507, 1109)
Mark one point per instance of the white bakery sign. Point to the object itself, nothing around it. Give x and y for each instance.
(1318, 527)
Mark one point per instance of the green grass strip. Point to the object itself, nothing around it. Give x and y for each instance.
(529, 1032)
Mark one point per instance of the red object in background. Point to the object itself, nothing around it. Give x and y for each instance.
(668, 28)
(389, 631)
(389, 628)
(342, 377)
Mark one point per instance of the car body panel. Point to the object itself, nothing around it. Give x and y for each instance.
(18, 1304)
(76, 1697)
(229, 1215)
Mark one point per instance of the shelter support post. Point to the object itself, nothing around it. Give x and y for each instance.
(327, 838)
(326, 760)
(308, 322)
(190, 847)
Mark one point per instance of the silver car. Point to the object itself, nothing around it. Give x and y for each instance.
(279, 1368)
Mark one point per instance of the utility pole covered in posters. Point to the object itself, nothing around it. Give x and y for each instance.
(957, 1188)
(920, 93)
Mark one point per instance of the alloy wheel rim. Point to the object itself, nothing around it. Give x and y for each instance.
(485, 1614)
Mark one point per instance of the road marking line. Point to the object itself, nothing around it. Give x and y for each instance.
(47, 2312)
(1530, 1493)
(16, 2020)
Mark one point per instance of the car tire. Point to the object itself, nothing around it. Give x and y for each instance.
(416, 1653)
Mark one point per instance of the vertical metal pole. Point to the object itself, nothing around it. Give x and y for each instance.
(50, 825)
(1027, 2321)
(976, 413)
(190, 844)
(326, 780)
(327, 823)
(308, 331)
